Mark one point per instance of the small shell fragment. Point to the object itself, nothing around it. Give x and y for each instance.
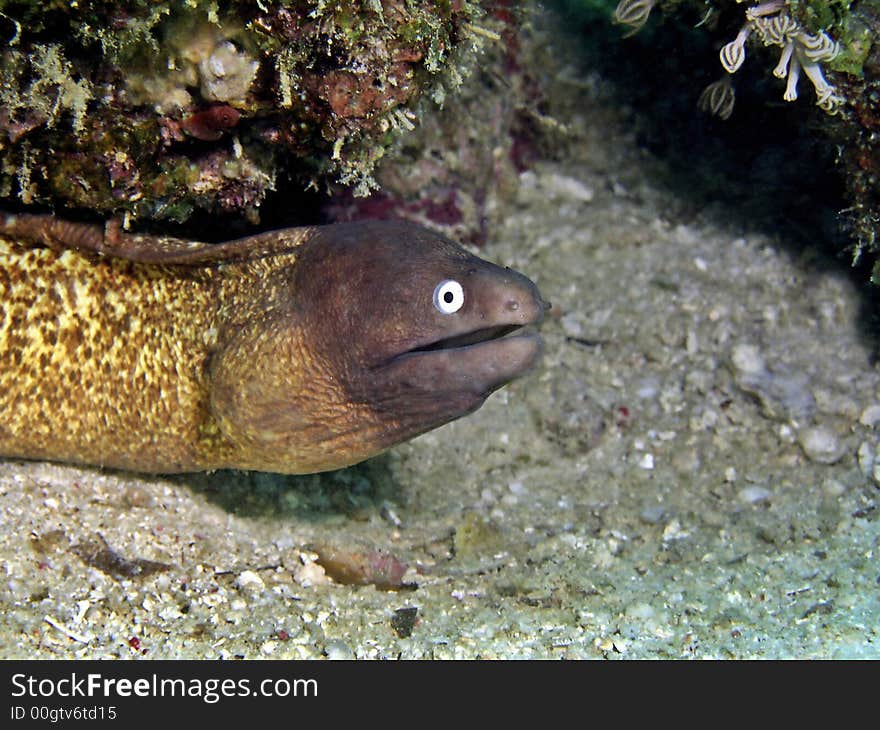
(821, 444)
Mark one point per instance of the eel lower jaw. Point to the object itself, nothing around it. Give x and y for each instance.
(476, 363)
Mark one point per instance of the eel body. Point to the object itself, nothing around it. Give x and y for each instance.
(293, 351)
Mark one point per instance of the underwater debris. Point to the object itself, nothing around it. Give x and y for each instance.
(801, 51)
(98, 554)
(363, 567)
(404, 621)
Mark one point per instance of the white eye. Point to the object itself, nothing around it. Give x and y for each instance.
(448, 296)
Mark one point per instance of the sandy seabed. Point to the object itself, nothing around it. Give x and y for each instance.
(690, 473)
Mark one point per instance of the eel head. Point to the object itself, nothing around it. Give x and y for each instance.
(391, 330)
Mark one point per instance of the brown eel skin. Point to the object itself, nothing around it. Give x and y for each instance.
(293, 351)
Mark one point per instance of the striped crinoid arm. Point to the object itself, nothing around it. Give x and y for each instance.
(718, 98)
(733, 54)
(633, 13)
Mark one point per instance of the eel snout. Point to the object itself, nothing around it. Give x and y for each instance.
(486, 343)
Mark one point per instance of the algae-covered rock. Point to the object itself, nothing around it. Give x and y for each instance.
(154, 110)
(458, 169)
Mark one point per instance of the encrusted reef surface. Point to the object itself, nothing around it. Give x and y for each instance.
(154, 111)
(693, 472)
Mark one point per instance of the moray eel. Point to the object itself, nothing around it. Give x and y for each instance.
(293, 351)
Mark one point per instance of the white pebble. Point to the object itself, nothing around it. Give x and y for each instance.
(674, 531)
(647, 461)
(653, 514)
(571, 324)
(870, 416)
(249, 581)
(821, 444)
(338, 650)
(866, 456)
(754, 495)
(562, 186)
(169, 612)
(648, 388)
(310, 574)
(747, 359)
(640, 611)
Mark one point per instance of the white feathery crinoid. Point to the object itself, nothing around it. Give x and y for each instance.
(633, 13)
(801, 51)
(734, 53)
(718, 98)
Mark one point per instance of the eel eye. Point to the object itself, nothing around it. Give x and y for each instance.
(448, 296)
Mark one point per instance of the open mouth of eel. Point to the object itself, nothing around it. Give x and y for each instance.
(477, 337)
(484, 345)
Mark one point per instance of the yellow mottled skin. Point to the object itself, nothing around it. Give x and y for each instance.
(293, 351)
(128, 345)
